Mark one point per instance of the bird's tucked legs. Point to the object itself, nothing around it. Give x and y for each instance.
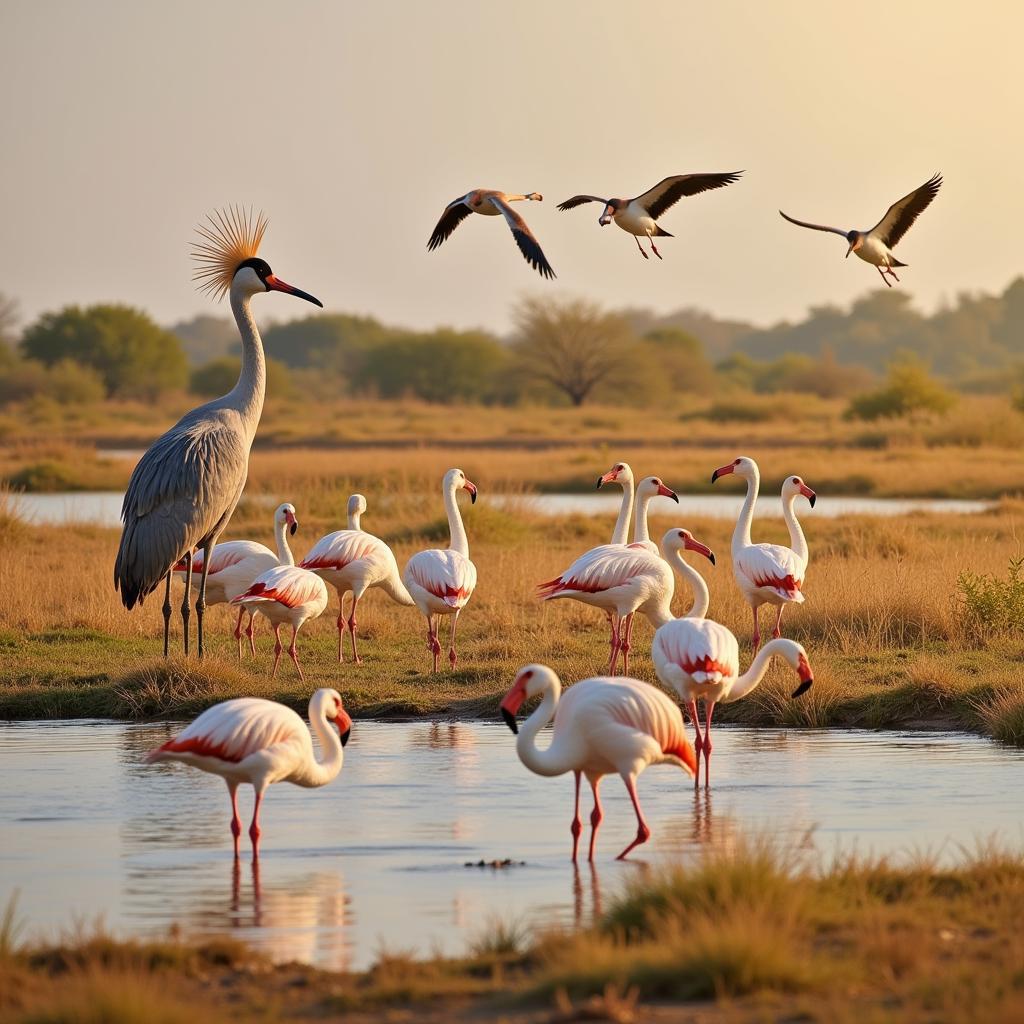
(167, 614)
(254, 828)
(777, 631)
(757, 632)
(643, 833)
(577, 824)
(892, 274)
(201, 599)
(278, 648)
(709, 708)
(236, 821)
(352, 629)
(596, 817)
(626, 646)
(433, 644)
(698, 742)
(654, 248)
(294, 654)
(641, 248)
(888, 283)
(452, 655)
(185, 611)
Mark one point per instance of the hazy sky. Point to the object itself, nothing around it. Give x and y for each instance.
(353, 124)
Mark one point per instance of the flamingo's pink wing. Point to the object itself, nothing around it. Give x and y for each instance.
(341, 548)
(773, 566)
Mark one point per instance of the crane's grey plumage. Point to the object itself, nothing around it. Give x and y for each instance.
(185, 488)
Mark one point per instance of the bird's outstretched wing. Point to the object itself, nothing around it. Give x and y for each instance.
(182, 489)
(813, 227)
(571, 204)
(669, 191)
(528, 245)
(898, 218)
(454, 214)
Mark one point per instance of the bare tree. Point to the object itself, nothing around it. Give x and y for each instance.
(571, 344)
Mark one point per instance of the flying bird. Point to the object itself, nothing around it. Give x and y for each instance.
(875, 246)
(490, 203)
(186, 486)
(639, 216)
(601, 726)
(261, 742)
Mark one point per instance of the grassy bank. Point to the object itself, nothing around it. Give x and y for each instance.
(891, 638)
(755, 934)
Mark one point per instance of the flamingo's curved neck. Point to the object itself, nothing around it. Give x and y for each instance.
(741, 534)
(319, 773)
(247, 394)
(640, 533)
(699, 589)
(750, 679)
(354, 515)
(284, 553)
(542, 762)
(459, 541)
(621, 531)
(797, 540)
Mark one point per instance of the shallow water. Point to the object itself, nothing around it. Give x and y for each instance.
(376, 859)
(104, 507)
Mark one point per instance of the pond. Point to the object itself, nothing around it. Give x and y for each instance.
(377, 859)
(104, 507)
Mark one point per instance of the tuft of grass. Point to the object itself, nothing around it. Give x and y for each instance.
(992, 605)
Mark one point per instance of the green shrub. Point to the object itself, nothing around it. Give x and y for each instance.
(991, 605)
(908, 390)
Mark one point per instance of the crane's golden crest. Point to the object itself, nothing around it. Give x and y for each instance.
(229, 237)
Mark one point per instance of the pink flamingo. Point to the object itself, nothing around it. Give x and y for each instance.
(236, 563)
(699, 658)
(286, 594)
(601, 726)
(353, 560)
(261, 742)
(600, 565)
(441, 582)
(768, 573)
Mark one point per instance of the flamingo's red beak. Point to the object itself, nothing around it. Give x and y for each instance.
(806, 676)
(275, 284)
(667, 492)
(344, 724)
(471, 487)
(512, 702)
(692, 544)
(723, 471)
(608, 478)
(292, 522)
(808, 494)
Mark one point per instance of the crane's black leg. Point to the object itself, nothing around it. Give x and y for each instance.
(201, 600)
(167, 613)
(184, 600)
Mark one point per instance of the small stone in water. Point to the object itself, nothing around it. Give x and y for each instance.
(508, 862)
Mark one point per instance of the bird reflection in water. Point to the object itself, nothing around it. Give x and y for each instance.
(580, 916)
(442, 736)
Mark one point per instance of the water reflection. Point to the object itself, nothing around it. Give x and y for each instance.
(86, 828)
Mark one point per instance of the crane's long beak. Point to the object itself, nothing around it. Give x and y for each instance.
(275, 284)
(848, 251)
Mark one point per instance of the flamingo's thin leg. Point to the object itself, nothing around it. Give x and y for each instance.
(709, 708)
(250, 632)
(185, 610)
(698, 743)
(452, 655)
(614, 651)
(341, 626)
(626, 645)
(757, 631)
(238, 630)
(201, 599)
(294, 654)
(167, 614)
(236, 821)
(254, 828)
(352, 628)
(278, 648)
(433, 644)
(596, 816)
(643, 832)
(577, 825)
(777, 631)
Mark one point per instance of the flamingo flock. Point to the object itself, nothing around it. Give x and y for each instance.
(185, 488)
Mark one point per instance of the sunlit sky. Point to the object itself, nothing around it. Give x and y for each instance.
(353, 124)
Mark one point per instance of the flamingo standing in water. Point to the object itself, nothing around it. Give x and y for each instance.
(286, 594)
(601, 726)
(236, 563)
(353, 560)
(768, 573)
(441, 582)
(261, 742)
(699, 658)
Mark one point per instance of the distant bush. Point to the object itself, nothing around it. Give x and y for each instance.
(908, 390)
(218, 377)
(991, 605)
(66, 382)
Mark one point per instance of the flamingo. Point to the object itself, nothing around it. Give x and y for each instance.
(620, 579)
(442, 582)
(639, 216)
(602, 725)
(622, 474)
(768, 573)
(262, 742)
(875, 246)
(236, 563)
(699, 658)
(490, 203)
(289, 594)
(186, 486)
(353, 560)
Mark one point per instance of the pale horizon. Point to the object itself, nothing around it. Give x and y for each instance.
(353, 127)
